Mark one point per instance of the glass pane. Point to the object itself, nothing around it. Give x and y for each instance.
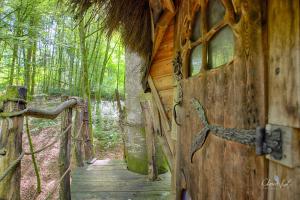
(216, 12)
(221, 48)
(195, 60)
(196, 28)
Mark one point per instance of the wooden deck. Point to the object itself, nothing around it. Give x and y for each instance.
(109, 179)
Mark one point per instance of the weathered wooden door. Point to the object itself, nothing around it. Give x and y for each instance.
(254, 85)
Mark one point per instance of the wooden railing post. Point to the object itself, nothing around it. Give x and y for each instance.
(78, 133)
(88, 146)
(11, 142)
(64, 153)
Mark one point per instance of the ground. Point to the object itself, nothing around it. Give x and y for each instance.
(108, 145)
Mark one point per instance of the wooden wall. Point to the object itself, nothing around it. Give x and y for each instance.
(162, 70)
(284, 62)
(284, 89)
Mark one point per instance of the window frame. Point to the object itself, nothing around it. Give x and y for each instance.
(204, 39)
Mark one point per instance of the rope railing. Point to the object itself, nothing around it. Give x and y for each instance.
(12, 166)
(16, 107)
(14, 163)
(58, 183)
(49, 145)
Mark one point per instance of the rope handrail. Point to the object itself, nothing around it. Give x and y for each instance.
(14, 163)
(11, 166)
(51, 144)
(42, 113)
(58, 182)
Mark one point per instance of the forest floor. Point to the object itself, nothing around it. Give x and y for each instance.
(108, 145)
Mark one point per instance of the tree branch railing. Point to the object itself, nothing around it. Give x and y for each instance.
(11, 152)
(42, 113)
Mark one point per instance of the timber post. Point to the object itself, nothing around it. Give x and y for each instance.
(78, 133)
(88, 146)
(65, 153)
(11, 143)
(150, 141)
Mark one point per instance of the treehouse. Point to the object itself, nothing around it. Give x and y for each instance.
(224, 76)
(221, 92)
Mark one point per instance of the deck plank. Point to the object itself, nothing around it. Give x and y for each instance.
(110, 179)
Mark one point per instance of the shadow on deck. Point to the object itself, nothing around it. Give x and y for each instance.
(109, 179)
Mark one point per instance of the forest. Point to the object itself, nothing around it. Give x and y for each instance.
(44, 48)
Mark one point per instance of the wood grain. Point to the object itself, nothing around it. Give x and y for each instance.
(106, 180)
(284, 62)
(233, 96)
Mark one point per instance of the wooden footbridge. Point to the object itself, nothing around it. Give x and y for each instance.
(102, 179)
(110, 179)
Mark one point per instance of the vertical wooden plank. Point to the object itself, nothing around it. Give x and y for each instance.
(284, 62)
(11, 143)
(284, 93)
(150, 141)
(65, 153)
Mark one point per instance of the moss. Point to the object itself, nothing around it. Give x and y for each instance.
(137, 165)
(161, 161)
(12, 92)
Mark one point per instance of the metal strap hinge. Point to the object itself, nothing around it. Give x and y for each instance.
(269, 141)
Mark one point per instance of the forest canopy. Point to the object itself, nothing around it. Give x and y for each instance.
(45, 49)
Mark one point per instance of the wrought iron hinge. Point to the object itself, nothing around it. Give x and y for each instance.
(269, 141)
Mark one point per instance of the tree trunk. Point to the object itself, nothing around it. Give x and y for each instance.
(86, 85)
(33, 68)
(135, 144)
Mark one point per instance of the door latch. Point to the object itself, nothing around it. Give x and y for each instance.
(269, 141)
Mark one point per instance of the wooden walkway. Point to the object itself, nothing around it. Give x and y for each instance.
(109, 179)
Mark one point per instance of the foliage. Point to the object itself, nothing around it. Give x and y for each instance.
(40, 48)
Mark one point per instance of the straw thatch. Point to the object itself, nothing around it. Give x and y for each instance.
(130, 17)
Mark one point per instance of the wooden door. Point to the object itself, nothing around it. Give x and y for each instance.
(233, 95)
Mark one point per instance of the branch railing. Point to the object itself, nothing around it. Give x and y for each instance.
(11, 153)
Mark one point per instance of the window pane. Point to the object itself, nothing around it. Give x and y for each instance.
(195, 60)
(196, 28)
(221, 48)
(216, 12)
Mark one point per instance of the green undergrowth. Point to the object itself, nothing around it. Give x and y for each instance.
(107, 133)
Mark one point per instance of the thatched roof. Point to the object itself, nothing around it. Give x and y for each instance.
(130, 17)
